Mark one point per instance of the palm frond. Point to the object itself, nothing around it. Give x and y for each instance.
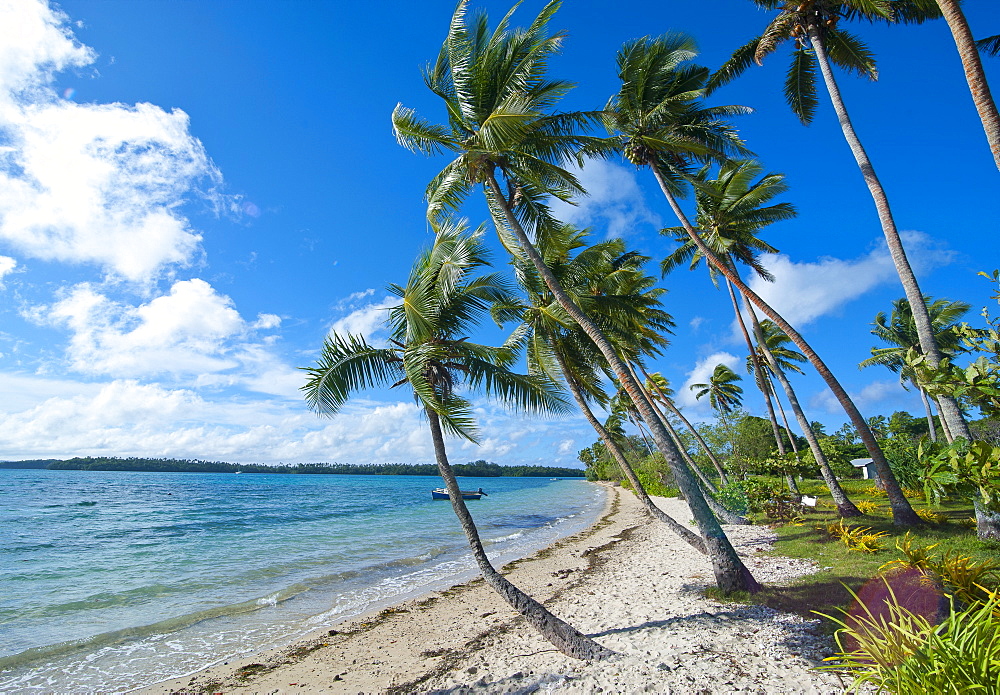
(800, 85)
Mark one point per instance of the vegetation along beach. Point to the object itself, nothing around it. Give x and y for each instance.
(462, 347)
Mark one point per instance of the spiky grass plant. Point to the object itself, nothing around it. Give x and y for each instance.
(899, 651)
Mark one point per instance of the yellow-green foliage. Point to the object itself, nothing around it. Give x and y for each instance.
(860, 538)
(931, 516)
(913, 494)
(968, 522)
(964, 578)
(898, 651)
(868, 506)
(875, 491)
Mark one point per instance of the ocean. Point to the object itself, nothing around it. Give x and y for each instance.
(111, 581)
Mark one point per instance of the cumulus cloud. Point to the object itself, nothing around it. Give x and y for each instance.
(61, 419)
(187, 331)
(615, 202)
(7, 266)
(877, 396)
(803, 292)
(367, 320)
(700, 375)
(97, 184)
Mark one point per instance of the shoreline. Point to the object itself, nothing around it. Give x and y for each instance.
(627, 581)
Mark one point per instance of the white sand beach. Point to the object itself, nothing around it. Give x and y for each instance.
(627, 581)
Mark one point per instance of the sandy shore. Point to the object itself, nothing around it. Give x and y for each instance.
(627, 581)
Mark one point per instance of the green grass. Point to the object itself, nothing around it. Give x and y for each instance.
(824, 591)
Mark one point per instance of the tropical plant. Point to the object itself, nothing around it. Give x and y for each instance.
(894, 649)
(657, 121)
(731, 211)
(899, 330)
(724, 394)
(968, 469)
(429, 351)
(497, 96)
(813, 29)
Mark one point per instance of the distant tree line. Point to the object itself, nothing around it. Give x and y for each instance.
(479, 469)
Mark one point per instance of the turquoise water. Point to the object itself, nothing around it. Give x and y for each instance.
(111, 581)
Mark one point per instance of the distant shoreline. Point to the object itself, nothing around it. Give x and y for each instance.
(475, 469)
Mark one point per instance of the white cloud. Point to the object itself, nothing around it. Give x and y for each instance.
(803, 292)
(185, 331)
(266, 321)
(7, 266)
(875, 397)
(35, 43)
(368, 320)
(97, 184)
(615, 204)
(700, 375)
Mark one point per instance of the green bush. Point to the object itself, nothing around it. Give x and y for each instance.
(904, 462)
(899, 651)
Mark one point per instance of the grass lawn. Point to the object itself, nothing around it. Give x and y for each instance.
(807, 538)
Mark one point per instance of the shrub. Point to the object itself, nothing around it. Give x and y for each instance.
(868, 506)
(897, 650)
(860, 538)
(930, 516)
(959, 575)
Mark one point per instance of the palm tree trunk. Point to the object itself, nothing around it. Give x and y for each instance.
(611, 445)
(730, 572)
(921, 317)
(691, 428)
(784, 417)
(562, 635)
(845, 507)
(758, 374)
(987, 523)
(974, 73)
(931, 429)
(948, 436)
(902, 512)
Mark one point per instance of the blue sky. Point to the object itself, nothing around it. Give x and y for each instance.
(195, 193)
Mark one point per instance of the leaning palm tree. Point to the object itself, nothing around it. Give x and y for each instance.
(429, 353)
(812, 27)
(657, 121)
(898, 330)
(732, 209)
(724, 395)
(504, 139)
(661, 392)
(968, 52)
(558, 349)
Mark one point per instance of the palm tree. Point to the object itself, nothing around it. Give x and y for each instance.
(657, 121)
(558, 349)
(660, 391)
(898, 330)
(968, 52)
(731, 211)
(812, 27)
(724, 395)
(430, 353)
(497, 97)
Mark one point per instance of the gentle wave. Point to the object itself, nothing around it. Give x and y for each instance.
(183, 570)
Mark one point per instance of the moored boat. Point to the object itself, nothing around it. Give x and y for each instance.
(440, 493)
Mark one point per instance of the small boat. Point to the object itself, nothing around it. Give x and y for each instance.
(440, 493)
